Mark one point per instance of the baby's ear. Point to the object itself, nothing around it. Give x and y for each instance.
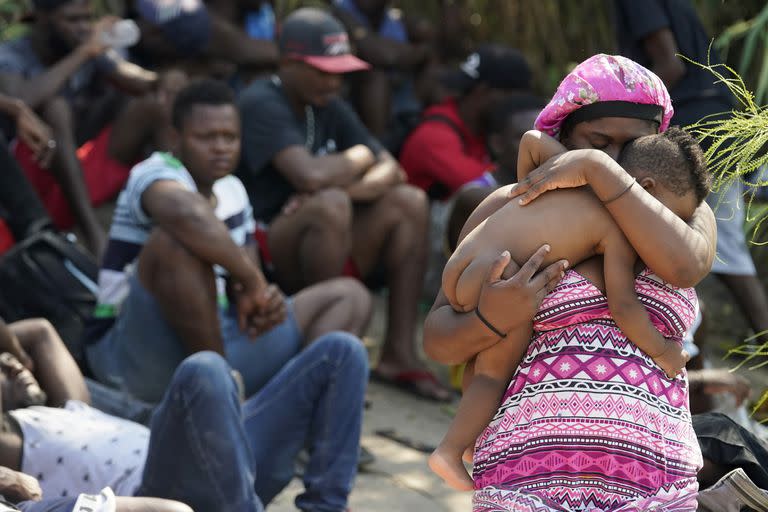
(647, 183)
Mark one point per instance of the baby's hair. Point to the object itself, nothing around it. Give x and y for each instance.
(674, 158)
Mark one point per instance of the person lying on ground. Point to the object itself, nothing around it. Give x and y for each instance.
(71, 448)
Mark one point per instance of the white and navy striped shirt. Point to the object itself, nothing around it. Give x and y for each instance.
(131, 226)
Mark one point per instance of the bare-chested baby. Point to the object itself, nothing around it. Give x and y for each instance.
(576, 226)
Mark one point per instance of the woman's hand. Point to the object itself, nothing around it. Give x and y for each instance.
(569, 170)
(521, 293)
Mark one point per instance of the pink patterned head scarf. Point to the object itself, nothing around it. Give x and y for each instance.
(609, 86)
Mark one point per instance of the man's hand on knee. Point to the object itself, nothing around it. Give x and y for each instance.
(259, 308)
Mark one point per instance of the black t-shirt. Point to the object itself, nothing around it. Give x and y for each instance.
(270, 125)
(637, 19)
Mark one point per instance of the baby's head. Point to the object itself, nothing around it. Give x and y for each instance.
(671, 167)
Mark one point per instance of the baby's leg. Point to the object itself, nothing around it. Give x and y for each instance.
(475, 411)
(463, 280)
(454, 268)
(494, 368)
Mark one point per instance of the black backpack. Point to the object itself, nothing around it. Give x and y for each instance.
(48, 275)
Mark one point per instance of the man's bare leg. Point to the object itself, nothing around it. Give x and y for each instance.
(312, 243)
(69, 174)
(341, 304)
(372, 96)
(393, 231)
(185, 288)
(750, 295)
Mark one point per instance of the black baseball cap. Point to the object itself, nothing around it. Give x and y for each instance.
(498, 66)
(317, 38)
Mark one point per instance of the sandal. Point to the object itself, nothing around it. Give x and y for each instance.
(412, 381)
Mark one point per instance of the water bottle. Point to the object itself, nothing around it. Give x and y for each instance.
(122, 34)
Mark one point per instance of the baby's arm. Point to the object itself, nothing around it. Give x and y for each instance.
(536, 148)
(629, 313)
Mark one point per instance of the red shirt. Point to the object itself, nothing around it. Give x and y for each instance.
(435, 155)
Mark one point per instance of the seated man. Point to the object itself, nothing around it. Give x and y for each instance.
(449, 148)
(332, 196)
(195, 31)
(183, 227)
(397, 47)
(58, 69)
(508, 122)
(203, 447)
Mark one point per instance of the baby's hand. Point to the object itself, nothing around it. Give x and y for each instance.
(673, 359)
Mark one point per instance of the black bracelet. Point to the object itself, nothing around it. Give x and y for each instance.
(489, 324)
(617, 196)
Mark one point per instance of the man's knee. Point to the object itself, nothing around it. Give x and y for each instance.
(345, 351)
(351, 290)
(203, 371)
(331, 208)
(411, 201)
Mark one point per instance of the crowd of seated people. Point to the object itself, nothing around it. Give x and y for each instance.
(233, 175)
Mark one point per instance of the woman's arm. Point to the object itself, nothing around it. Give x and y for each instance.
(679, 253)
(509, 298)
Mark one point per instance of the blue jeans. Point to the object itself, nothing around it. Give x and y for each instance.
(139, 354)
(211, 453)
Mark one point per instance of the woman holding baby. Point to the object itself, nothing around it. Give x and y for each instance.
(588, 421)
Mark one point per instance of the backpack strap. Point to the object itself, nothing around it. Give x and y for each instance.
(439, 191)
(441, 118)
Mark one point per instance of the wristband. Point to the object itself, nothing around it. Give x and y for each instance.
(488, 324)
(634, 180)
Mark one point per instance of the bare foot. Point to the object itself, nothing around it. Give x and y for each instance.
(469, 455)
(451, 470)
(418, 381)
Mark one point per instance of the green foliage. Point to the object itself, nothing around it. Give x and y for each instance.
(11, 12)
(753, 35)
(739, 140)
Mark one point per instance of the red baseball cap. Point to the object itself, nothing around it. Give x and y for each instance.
(317, 38)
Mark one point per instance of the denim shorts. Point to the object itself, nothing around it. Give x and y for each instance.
(140, 352)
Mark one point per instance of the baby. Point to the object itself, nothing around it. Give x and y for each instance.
(576, 225)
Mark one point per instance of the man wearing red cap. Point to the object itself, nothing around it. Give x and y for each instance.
(332, 199)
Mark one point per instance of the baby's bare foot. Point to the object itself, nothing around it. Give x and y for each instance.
(451, 470)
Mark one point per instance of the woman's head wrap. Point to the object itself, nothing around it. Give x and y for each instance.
(607, 86)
